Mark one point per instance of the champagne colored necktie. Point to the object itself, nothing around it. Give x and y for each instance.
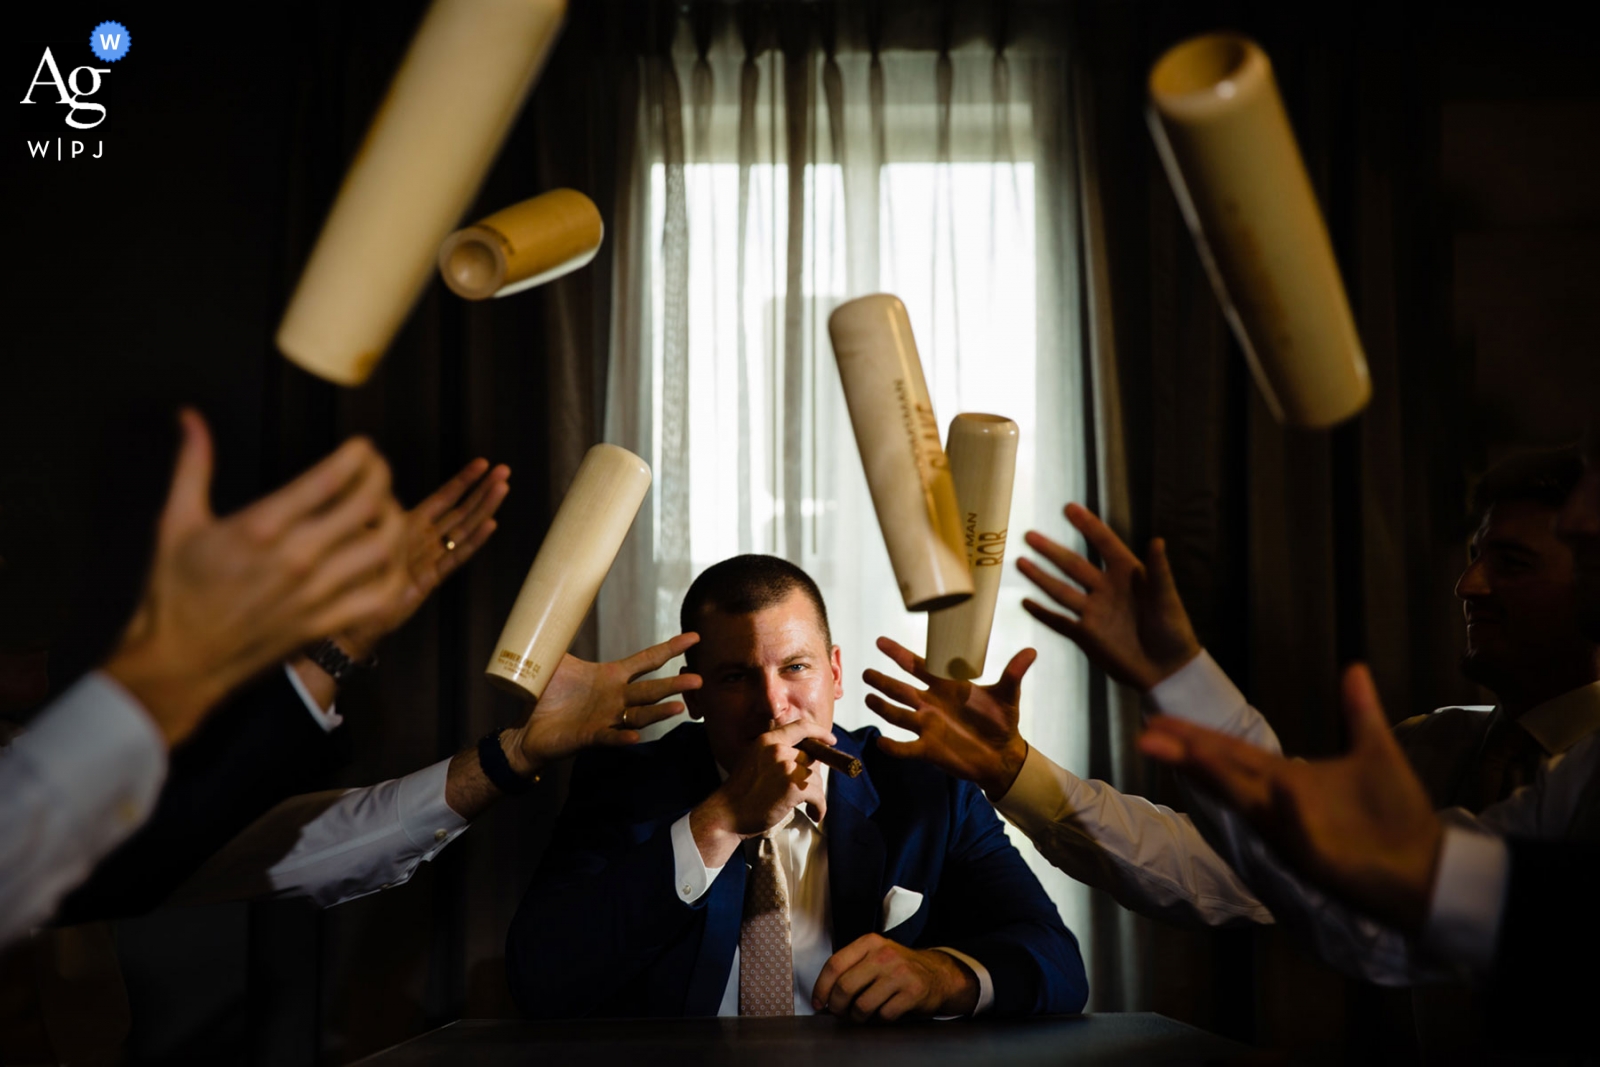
(766, 955)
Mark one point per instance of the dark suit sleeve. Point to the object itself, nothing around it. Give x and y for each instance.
(990, 906)
(602, 906)
(1544, 985)
(258, 749)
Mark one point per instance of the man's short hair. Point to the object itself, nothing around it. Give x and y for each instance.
(745, 584)
(1541, 476)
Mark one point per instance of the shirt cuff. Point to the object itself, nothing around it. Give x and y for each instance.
(98, 744)
(1035, 791)
(427, 821)
(1202, 693)
(985, 983)
(691, 876)
(1469, 894)
(329, 720)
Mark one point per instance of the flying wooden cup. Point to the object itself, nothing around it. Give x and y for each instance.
(457, 92)
(898, 438)
(522, 246)
(1223, 136)
(579, 549)
(983, 464)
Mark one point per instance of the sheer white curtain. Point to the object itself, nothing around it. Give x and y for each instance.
(768, 185)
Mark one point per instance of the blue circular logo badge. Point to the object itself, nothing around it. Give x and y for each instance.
(109, 42)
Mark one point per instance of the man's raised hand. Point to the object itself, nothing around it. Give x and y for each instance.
(226, 598)
(441, 534)
(1361, 824)
(1126, 616)
(968, 731)
(588, 704)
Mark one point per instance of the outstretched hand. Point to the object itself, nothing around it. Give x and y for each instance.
(1126, 616)
(588, 704)
(441, 534)
(968, 731)
(227, 597)
(1361, 825)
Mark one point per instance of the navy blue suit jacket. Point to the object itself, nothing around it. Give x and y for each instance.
(603, 932)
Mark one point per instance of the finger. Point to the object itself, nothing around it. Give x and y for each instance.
(850, 985)
(902, 1002)
(444, 498)
(314, 491)
(905, 659)
(894, 688)
(903, 749)
(1158, 569)
(838, 964)
(656, 656)
(189, 497)
(368, 502)
(478, 508)
(1237, 771)
(1103, 539)
(1067, 561)
(876, 993)
(904, 718)
(795, 731)
(1363, 711)
(1008, 687)
(1067, 595)
(366, 556)
(638, 719)
(653, 689)
(1069, 628)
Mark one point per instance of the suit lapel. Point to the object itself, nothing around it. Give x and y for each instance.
(855, 851)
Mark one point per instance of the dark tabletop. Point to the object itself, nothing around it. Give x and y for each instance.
(1078, 1040)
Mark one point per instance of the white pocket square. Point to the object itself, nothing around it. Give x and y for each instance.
(899, 904)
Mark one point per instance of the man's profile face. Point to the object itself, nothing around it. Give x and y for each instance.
(772, 664)
(1518, 595)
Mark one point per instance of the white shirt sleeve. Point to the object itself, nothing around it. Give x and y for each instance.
(75, 785)
(334, 846)
(691, 876)
(1151, 859)
(329, 720)
(1202, 693)
(1469, 896)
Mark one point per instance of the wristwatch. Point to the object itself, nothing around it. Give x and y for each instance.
(332, 659)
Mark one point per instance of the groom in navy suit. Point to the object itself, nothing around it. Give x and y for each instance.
(721, 871)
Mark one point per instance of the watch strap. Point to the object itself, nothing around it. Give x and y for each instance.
(496, 768)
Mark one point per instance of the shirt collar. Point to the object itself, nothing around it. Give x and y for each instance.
(1562, 722)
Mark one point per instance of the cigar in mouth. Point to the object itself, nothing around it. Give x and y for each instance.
(838, 759)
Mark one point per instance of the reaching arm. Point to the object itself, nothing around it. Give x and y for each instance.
(1150, 858)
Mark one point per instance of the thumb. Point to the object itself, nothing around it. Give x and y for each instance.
(1363, 712)
(189, 497)
(1159, 569)
(1009, 686)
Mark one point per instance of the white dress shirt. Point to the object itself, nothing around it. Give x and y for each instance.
(804, 853)
(76, 784)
